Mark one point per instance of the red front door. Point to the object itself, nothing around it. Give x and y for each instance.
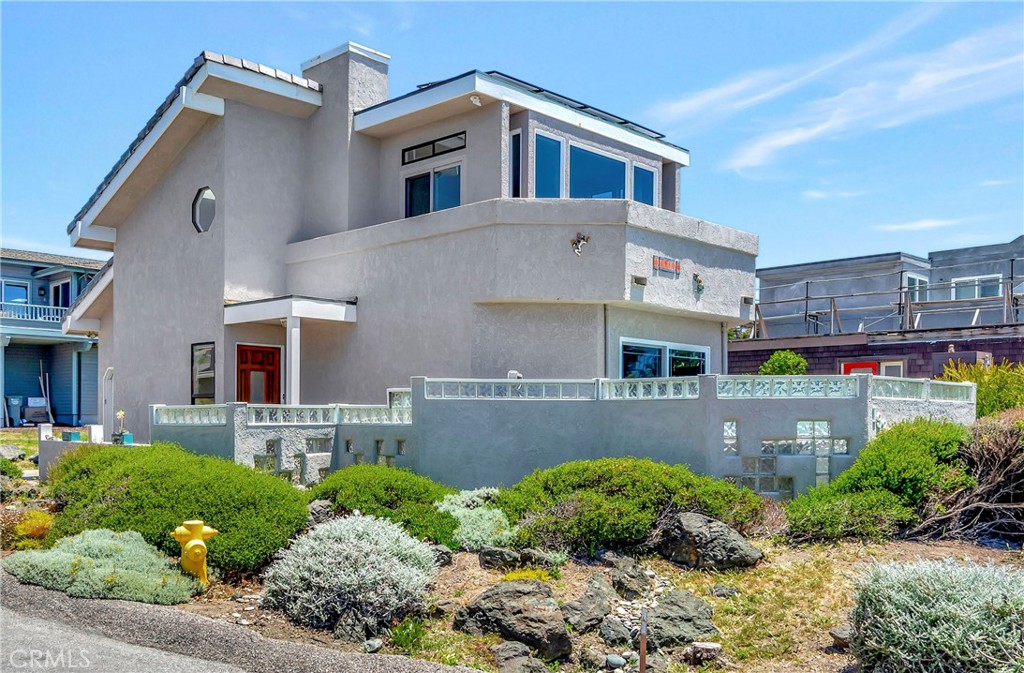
(259, 374)
(864, 367)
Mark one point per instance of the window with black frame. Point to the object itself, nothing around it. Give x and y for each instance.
(203, 373)
(651, 359)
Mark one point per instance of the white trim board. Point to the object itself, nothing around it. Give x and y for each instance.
(288, 307)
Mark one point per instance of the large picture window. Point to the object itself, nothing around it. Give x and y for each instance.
(548, 167)
(438, 189)
(595, 176)
(643, 359)
(203, 373)
(977, 287)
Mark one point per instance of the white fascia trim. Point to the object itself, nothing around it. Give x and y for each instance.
(282, 309)
(362, 50)
(477, 83)
(74, 322)
(256, 80)
(93, 232)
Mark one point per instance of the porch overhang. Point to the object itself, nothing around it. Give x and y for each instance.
(277, 309)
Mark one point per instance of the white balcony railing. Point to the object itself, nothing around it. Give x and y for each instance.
(35, 312)
(198, 414)
(893, 388)
(651, 389)
(737, 387)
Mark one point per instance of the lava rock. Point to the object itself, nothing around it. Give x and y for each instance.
(680, 618)
(442, 554)
(630, 580)
(697, 541)
(536, 558)
(586, 613)
(614, 632)
(592, 658)
(319, 512)
(498, 557)
(841, 636)
(523, 611)
(509, 650)
(352, 628)
(442, 608)
(724, 591)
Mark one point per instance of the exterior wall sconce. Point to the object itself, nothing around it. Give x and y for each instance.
(578, 243)
(698, 283)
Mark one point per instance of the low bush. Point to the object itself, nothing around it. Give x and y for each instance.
(361, 569)
(479, 524)
(10, 469)
(1000, 386)
(408, 636)
(824, 514)
(104, 564)
(154, 489)
(912, 460)
(539, 574)
(32, 529)
(614, 502)
(390, 493)
(939, 617)
(783, 363)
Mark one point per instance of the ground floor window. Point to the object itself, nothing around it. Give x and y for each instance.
(644, 359)
(203, 374)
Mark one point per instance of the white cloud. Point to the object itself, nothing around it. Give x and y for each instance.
(997, 183)
(921, 225)
(982, 67)
(760, 86)
(818, 194)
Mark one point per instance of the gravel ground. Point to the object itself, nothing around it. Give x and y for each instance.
(178, 632)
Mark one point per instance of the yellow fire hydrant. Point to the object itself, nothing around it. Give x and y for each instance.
(192, 537)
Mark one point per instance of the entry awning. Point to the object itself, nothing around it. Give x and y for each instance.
(276, 309)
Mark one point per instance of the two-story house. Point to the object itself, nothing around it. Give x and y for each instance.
(892, 314)
(37, 290)
(307, 238)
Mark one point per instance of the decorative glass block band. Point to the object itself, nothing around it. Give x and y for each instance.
(199, 414)
(734, 387)
(509, 389)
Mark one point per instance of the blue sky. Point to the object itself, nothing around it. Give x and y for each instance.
(830, 130)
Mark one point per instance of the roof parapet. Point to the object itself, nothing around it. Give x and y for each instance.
(348, 47)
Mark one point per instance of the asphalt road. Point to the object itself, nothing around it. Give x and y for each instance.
(137, 638)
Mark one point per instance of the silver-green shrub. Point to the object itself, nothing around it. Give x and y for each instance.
(479, 524)
(360, 568)
(939, 617)
(104, 564)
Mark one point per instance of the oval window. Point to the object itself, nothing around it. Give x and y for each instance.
(204, 208)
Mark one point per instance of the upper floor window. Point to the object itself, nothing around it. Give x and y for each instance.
(515, 164)
(547, 167)
(437, 189)
(595, 176)
(643, 184)
(15, 292)
(434, 148)
(918, 287)
(977, 287)
(60, 294)
(204, 209)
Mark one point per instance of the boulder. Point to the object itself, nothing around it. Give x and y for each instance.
(515, 657)
(613, 661)
(698, 654)
(680, 618)
(12, 452)
(536, 558)
(498, 557)
(319, 512)
(442, 554)
(592, 658)
(509, 649)
(523, 611)
(697, 541)
(614, 632)
(724, 591)
(841, 636)
(585, 613)
(630, 580)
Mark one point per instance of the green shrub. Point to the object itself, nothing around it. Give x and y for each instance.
(390, 493)
(911, 460)
(939, 617)
(408, 635)
(824, 514)
(783, 363)
(479, 524)
(32, 527)
(154, 489)
(104, 564)
(614, 502)
(360, 569)
(10, 469)
(1000, 386)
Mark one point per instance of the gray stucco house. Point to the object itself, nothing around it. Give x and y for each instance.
(892, 314)
(287, 238)
(38, 288)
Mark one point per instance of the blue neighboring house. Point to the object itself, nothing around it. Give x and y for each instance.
(37, 290)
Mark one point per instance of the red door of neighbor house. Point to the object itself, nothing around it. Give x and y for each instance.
(864, 367)
(259, 374)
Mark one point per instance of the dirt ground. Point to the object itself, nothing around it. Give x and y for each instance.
(778, 622)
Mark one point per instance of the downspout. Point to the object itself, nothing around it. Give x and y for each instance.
(605, 335)
(725, 349)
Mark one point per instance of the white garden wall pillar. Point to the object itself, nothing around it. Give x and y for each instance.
(293, 339)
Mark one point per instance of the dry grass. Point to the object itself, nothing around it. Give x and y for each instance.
(26, 439)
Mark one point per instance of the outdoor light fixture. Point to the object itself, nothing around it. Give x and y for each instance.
(475, 100)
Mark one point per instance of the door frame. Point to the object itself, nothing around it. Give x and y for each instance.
(280, 381)
(844, 367)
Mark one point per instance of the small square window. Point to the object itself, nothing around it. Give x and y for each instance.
(768, 447)
(729, 428)
(786, 487)
(768, 465)
(767, 484)
(804, 447)
(804, 428)
(840, 447)
(784, 447)
(822, 447)
(749, 482)
(822, 428)
(749, 465)
(821, 465)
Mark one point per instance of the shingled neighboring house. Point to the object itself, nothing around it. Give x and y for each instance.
(38, 289)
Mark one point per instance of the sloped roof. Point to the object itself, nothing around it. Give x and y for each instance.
(104, 270)
(201, 60)
(51, 260)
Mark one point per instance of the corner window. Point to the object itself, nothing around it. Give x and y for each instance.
(60, 294)
(595, 176)
(434, 148)
(204, 208)
(203, 373)
(515, 164)
(643, 185)
(547, 167)
(438, 189)
(918, 287)
(977, 287)
(642, 359)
